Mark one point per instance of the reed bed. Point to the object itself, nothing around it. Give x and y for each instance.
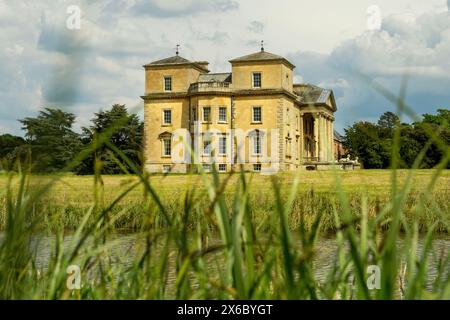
(256, 256)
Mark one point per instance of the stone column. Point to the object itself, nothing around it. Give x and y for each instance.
(322, 139)
(301, 138)
(332, 138)
(328, 140)
(316, 135)
(325, 139)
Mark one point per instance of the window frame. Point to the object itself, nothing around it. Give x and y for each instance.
(221, 108)
(260, 114)
(260, 79)
(257, 144)
(164, 84)
(164, 117)
(257, 165)
(164, 166)
(221, 138)
(222, 170)
(207, 143)
(203, 114)
(164, 147)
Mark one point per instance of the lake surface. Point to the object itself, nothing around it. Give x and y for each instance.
(123, 249)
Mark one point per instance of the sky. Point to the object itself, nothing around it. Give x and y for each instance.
(46, 60)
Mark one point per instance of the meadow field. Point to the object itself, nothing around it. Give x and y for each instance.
(230, 236)
(70, 195)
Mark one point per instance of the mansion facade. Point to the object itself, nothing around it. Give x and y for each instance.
(281, 125)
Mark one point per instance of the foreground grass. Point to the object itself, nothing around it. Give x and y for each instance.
(256, 256)
(70, 196)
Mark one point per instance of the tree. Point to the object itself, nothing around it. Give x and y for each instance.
(388, 120)
(387, 123)
(372, 143)
(52, 142)
(12, 150)
(8, 143)
(363, 141)
(442, 118)
(439, 123)
(411, 143)
(125, 131)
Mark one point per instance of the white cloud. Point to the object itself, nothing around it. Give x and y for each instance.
(406, 44)
(100, 64)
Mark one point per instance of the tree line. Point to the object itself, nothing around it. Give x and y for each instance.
(373, 143)
(51, 144)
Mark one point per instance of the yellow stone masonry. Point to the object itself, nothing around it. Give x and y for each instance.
(256, 116)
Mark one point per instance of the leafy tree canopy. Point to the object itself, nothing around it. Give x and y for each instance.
(8, 143)
(52, 141)
(124, 131)
(372, 143)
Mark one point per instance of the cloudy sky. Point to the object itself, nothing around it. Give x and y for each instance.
(45, 63)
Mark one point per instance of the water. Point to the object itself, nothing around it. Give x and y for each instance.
(124, 249)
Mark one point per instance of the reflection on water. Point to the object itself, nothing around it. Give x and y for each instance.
(123, 250)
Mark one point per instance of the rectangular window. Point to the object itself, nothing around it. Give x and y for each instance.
(257, 144)
(222, 167)
(257, 167)
(167, 83)
(206, 114)
(256, 79)
(167, 147)
(166, 168)
(222, 114)
(207, 147)
(257, 114)
(167, 116)
(207, 167)
(222, 145)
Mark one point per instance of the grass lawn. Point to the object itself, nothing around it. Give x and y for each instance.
(71, 196)
(79, 189)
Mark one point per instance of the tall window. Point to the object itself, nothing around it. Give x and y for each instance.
(257, 143)
(167, 116)
(222, 145)
(167, 83)
(167, 147)
(256, 79)
(257, 114)
(206, 114)
(206, 147)
(222, 114)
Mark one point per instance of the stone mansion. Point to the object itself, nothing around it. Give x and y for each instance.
(290, 123)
